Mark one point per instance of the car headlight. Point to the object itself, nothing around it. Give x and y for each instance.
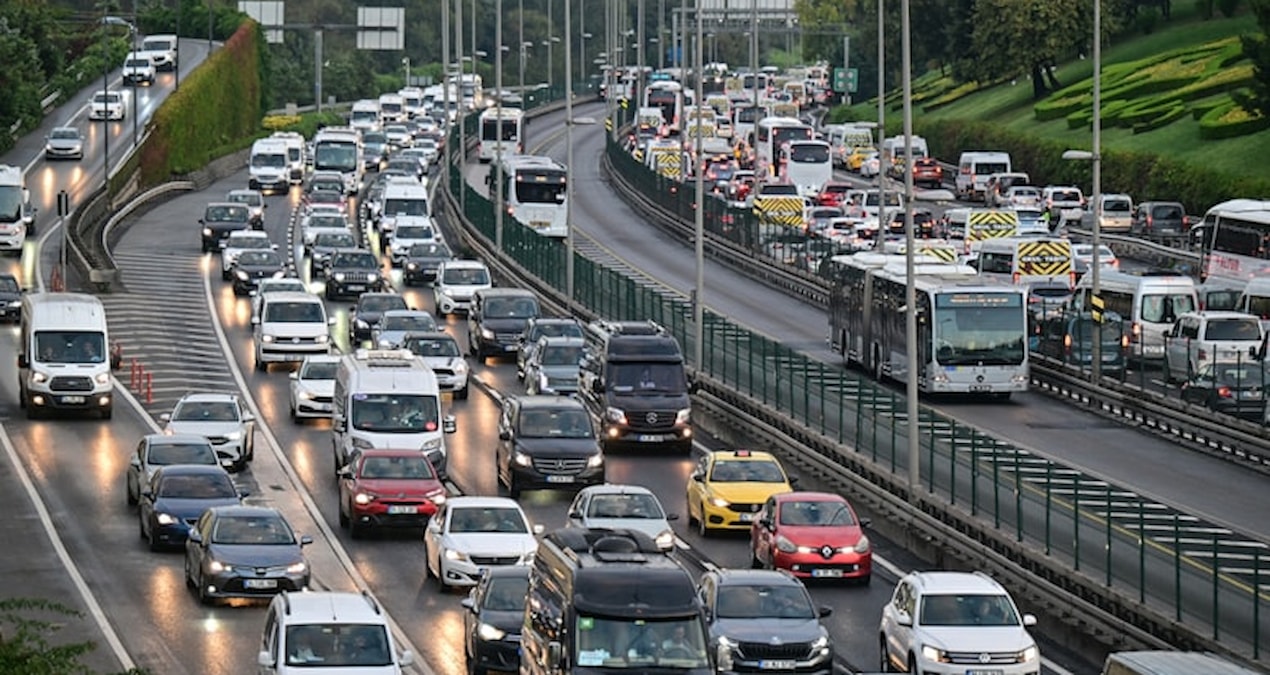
(459, 366)
(431, 444)
(522, 459)
(216, 566)
(527, 558)
(784, 545)
(1029, 654)
(234, 435)
(372, 277)
(102, 378)
(363, 498)
(683, 416)
(615, 415)
(863, 545)
(665, 539)
(361, 323)
(39, 378)
(719, 502)
(321, 339)
(487, 333)
(267, 339)
(934, 654)
(166, 519)
(242, 275)
(489, 633)
(438, 497)
(412, 266)
(362, 444)
(297, 568)
(595, 460)
(451, 554)
(207, 232)
(338, 276)
(820, 642)
(304, 395)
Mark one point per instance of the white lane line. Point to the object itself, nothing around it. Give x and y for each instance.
(46, 521)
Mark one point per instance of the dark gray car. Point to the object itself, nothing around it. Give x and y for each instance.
(1164, 219)
(219, 219)
(353, 272)
(768, 620)
(252, 266)
(10, 298)
(497, 320)
(422, 261)
(547, 442)
(324, 244)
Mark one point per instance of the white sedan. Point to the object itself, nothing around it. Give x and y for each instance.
(469, 534)
(313, 387)
(631, 507)
(871, 166)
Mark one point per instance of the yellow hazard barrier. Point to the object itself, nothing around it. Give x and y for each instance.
(608, 123)
(779, 210)
(625, 103)
(1045, 258)
(991, 224)
(668, 164)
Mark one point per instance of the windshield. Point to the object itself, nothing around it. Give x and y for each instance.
(397, 467)
(465, 276)
(248, 198)
(153, 45)
(979, 329)
(488, 519)
(332, 221)
(419, 322)
(433, 347)
(252, 531)
(561, 355)
(260, 258)
(540, 187)
(72, 134)
(414, 232)
(405, 207)
(746, 471)
(782, 135)
(206, 411)
(967, 610)
(809, 153)
(430, 250)
(9, 285)
(892, 199)
(269, 161)
(338, 644)
(294, 312)
(321, 370)
(555, 423)
(365, 116)
(637, 505)
(226, 214)
(197, 486)
(489, 130)
(381, 303)
(162, 454)
(335, 157)
(658, 378)
(637, 644)
(340, 240)
(70, 347)
(507, 594)
(249, 243)
(360, 261)
(511, 308)
(761, 601)
(1164, 308)
(138, 63)
(815, 514)
(395, 413)
(1233, 329)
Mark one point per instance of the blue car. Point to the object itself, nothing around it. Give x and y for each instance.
(176, 496)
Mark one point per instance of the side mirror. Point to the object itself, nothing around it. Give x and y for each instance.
(866, 522)
(697, 476)
(407, 658)
(793, 480)
(243, 494)
(306, 540)
(165, 417)
(195, 536)
(903, 619)
(255, 321)
(147, 493)
(1029, 619)
(345, 471)
(295, 375)
(539, 529)
(672, 516)
(448, 424)
(504, 435)
(23, 361)
(248, 417)
(597, 386)
(575, 515)
(200, 222)
(264, 659)
(825, 610)
(469, 602)
(339, 424)
(330, 321)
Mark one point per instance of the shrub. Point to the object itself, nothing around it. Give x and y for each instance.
(1229, 120)
(1160, 119)
(1204, 8)
(1227, 7)
(1148, 18)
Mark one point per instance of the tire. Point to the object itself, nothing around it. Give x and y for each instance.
(224, 275)
(203, 597)
(153, 542)
(755, 563)
(106, 413)
(884, 663)
(1168, 372)
(355, 529)
(912, 664)
(701, 523)
(261, 365)
(461, 394)
(130, 497)
(513, 490)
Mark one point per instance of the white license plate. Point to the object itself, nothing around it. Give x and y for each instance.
(72, 399)
(559, 479)
(356, 287)
(827, 574)
(649, 438)
(991, 671)
(777, 664)
(745, 517)
(260, 583)
(980, 388)
(403, 509)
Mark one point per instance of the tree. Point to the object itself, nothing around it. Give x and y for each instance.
(1016, 37)
(24, 641)
(1257, 49)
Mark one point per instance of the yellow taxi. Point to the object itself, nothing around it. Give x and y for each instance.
(728, 488)
(856, 157)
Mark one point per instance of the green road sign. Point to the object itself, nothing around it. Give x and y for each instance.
(846, 79)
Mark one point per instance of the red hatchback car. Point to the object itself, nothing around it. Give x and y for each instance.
(388, 488)
(814, 535)
(833, 194)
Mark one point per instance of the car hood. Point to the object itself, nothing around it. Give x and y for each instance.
(65, 142)
(435, 362)
(204, 428)
(809, 535)
(257, 270)
(639, 401)
(978, 638)
(769, 630)
(505, 325)
(190, 508)
(255, 555)
(492, 543)
(573, 447)
(504, 620)
(399, 487)
(317, 387)
(299, 329)
(561, 372)
(749, 492)
(368, 317)
(649, 526)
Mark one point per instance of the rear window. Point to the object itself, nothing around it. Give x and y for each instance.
(1233, 329)
(1167, 211)
(985, 168)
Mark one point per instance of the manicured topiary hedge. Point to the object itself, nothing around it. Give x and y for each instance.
(1228, 121)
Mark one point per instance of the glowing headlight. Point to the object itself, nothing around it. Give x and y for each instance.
(297, 568)
(1028, 654)
(438, 497)
(820, 642)
(267, 339)
(242, 275)
(361, 323)
(683, 416)
(719, 502)
(412, 266)
(522, 459)
(39, 378)
(166, 519)
(595, 460)
(234, 435)
(102, 378)
(934, 654)
(615, 415)
(207, 232)
(451, 554)
(458, 365)
(487, 334)
(321, 339)
(489, 633)
(372, 277)
(363, 498)
(665, 540)
(304, 396)
(431, 444)
(863, 545)
(216, 566)
(339, 276)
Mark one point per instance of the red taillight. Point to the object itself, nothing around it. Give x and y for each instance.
(1224, 392)
(1067, 343)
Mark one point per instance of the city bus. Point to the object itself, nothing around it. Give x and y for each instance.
(770, 135)
(972, 336)
(744, 117)
(511, 121)
(472, 91)
(669, 97)
(534, 193)
(807, 164)
(340, 149)
(1237, 240)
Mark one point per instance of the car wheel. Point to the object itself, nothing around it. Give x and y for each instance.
(344, 514)
(513, 490)
(912, 663)
(153, 541)
(261, 365)
(329, 295)
(132, 496)
(701, 523)
(755, 563)
(865, 580)
(224, 274)
(355, 529)
(472, 668)
(884, 662)
(461, 394)
(189, 578)
(203, 597)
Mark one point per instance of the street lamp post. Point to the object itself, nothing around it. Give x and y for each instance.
(568, 142)
(405, 62)
(498, 125)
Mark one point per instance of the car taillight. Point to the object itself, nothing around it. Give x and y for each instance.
(1224, 391)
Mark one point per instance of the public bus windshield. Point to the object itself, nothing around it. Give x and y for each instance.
(489, 130)
(540, 186)
(335, 157)
(979, 329)
(809, 153)
(782, 135)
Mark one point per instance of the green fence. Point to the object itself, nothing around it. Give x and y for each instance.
(1206, 578)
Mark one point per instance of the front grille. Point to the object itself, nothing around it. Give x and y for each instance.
(507, 337)
(495, 559)
(217, 440)
(799, 651)
(71, 383)
(977, 658)
(443, 372)
(652, 420)
(559, 466)
(354, 277)
(745, 508)
(323, 399)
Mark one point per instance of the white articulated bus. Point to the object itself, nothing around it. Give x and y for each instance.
(507, 131)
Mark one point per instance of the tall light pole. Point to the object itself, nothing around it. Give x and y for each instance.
(498, 125)
(520, 38)
(661, 33)
(639, 49)
(698, 168)
(910, 246)
(405, 63)
(754, 47)
(568, 142)
(881, 113)
(445, 57)
(582, 43)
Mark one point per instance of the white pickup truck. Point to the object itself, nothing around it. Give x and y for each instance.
(139, 68)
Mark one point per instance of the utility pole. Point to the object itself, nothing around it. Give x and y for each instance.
(458, 104)
(445, 56)
(568, 142)
(317, 68)
(698, 168)
(498, 116)
(661, 34)
(881, 113)
(754, 47)
(520, 17)
(846, 64)
(639, 49)
(910, 290)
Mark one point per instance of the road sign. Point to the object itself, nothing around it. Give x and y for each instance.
(266, 13)
(380, 28)
(846, 79)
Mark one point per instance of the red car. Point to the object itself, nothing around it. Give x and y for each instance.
(814, 535)
(927, 171)
(832, 194)
(388, 488)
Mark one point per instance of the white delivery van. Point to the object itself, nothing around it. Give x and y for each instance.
(63, 362)
(1255, 299)
(1150, 303)
(269, 167)
(365, 115)
(295, 153)
(387, 398)
(973, 170)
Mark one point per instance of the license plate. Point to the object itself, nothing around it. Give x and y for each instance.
(356, 287)
(746, 517)
(260, 583)
(559, 479)
(540, 224)
(827, 574)
(992, 671)
(403, 509)
(777, 664)
(980, 387)
(649, 438)
(72, 399)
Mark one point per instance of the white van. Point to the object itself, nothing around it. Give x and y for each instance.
(269, 167)
(312, 632)
(62, 358)
(387, 398)
(365, 115)
(291, 325)
(295, 153)
(1255, 300)
(1027, 260)
(1169, 663)
(1151, 303)
(404, 200)
(973, 170)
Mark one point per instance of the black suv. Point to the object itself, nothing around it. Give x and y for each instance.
(324, 244)
(369, 310)
(353, 271)
(547, 442)
(422, 260)
(632, 379)
(765, 617)
(497, 319)
(10, 298)
(221, 218)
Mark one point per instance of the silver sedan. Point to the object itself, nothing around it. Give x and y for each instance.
(64, 143)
